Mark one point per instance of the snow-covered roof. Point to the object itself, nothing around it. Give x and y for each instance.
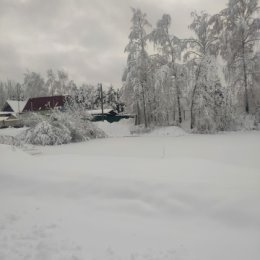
(6, 113)
(17, 106)
(99, 111)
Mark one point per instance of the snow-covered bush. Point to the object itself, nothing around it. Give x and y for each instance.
(205, 124)
(140, 129)
(257, 115)
(245, 122)
(46, 134)
(81, 128)
(59, 128)
(31, 119)
(10, 140)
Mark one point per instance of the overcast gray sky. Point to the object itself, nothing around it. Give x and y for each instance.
(86, 38)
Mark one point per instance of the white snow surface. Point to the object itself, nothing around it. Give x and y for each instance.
(153, 198)
(125, 128)
(116, 129)
(172, 131)
(11, 131)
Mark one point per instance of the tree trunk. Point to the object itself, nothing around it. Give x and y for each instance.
(177, 93)
(144, 106)
(192, 119)
(179, 104)
(138, 114)
(245, 80)
(191, 107)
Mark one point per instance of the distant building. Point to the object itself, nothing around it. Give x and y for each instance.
(34, 104)
(37, 104)
(44, 103)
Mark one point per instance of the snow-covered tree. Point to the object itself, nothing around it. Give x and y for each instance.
(91, 95)
(61, 86)
(255, 72)
(111, 97)
(3, 95)
(208, 98)
(51, 81)
(34, 85)
(170, 47)
(137, 72)
(164, 95)
(200, 50)
(238, 28)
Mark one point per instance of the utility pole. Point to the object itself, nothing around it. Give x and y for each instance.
(18, 97)
(52, 96)
(101, 95)
(18, 100)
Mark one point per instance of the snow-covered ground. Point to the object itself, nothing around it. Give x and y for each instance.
(191, 197)
(119, 129)
(126, 127)
(12, 131)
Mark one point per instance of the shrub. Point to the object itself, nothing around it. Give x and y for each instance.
(81, 128)
(245, 122)
(59, 128)
(46, 134)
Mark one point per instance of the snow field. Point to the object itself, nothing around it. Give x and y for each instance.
(125, 128)
(152, 197)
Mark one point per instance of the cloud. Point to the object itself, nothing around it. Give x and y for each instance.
(86, 38)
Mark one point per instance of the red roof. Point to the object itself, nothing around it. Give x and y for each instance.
(44, 103)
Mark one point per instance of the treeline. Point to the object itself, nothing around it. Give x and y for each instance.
(211, 79)
(57, 83)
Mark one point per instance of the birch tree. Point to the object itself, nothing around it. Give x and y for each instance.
(199, 50)
(170, 47)
(238, 28)
(136, 79)
(34, 85)
(51, 81)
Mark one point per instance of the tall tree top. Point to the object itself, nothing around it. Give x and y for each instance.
(169, 44)
(138, 34)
